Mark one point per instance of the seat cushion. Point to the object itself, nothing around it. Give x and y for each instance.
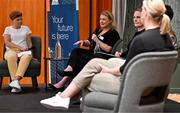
(100, 100)
(3, 64)
(34, 64)
(33, 68)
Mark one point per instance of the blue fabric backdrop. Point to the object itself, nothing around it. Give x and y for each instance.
(62, 24)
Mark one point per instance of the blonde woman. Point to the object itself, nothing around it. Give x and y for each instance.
(102, 40)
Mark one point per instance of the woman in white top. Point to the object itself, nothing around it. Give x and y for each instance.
(17, 38)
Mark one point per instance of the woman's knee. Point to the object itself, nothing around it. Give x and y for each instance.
(11, 56)
(105, 82)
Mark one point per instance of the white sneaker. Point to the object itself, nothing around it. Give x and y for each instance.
(15, 90)
(56, 102)
(15, 84)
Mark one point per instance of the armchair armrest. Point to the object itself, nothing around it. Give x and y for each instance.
(103, 55)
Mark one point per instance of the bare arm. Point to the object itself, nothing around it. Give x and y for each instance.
(7, 41)
(102, 45)
(29, 42)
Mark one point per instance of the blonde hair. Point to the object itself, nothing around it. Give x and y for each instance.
(110, 17)
(157, 9)
(165, 25)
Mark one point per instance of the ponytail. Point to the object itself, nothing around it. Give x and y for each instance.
(165, 25)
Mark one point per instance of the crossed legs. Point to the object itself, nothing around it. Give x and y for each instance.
(16, 69)
(86, 79)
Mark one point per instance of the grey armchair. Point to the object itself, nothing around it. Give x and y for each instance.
(147, 70)
(34, 67)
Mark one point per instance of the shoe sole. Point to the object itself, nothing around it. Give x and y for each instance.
(53, 107)
(16, 88)
(17, 91)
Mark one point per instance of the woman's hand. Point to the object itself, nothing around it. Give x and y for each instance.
(23, 49)
(80, 42)
(118, 54)
(94, 38)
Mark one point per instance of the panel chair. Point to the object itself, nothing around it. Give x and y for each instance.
(150, 70)
(34, 67)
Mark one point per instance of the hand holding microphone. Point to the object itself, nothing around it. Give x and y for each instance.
(94, 38)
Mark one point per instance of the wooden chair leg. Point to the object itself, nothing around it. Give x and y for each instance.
(1, 80)
(34, 82)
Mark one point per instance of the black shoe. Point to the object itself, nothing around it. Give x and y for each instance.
(56, 89)
(65, 73)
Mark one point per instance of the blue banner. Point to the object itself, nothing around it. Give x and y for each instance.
(62, 24)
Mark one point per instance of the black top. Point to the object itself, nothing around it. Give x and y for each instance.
(109, 38)
(124, 54)
(148, 41)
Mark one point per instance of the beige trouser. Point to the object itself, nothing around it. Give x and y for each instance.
(15, 68)
(91, 77)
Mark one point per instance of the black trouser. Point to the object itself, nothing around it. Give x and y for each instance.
(78, 59)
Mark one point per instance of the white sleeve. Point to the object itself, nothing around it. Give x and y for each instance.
(6, 31)
(28, 31)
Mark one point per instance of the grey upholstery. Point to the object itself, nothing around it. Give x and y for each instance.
(178, 50)
(151, 69)
(34, 67)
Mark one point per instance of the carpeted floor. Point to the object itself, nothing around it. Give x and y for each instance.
(28, 101)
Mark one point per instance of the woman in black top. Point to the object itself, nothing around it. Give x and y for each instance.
(154, 38)
(102, 40)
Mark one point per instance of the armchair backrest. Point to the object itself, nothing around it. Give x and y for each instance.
(117, 46)
(37, 44)
(146, 70)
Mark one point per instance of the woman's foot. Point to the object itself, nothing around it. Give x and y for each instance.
(16, 88)
(56, 102)
(55, 88)
(68, 71)
(61, 83)
(65, 73)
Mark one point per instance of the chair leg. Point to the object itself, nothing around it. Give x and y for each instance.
(1, 80)
(34, 82)
(10, 80)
